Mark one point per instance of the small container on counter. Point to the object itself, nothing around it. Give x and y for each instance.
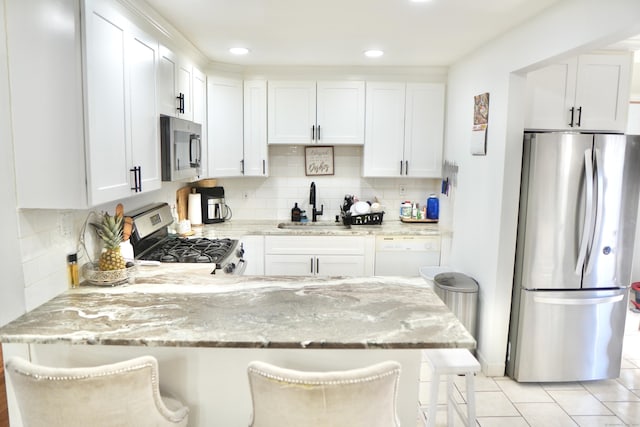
(433, 207)
(405, 209)
(73, 272)
(295, 213)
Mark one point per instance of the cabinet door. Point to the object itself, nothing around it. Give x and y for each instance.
(550, 96)
(340, 113)
(167, 82)
(143, 52)
(289, 265)
(602, 91)
(52, 151)
(225, 127)
(256, 159)
(384, 136)
(185, 89)
(424, 130)
(291, 112)
(339, 265)
(108, 150)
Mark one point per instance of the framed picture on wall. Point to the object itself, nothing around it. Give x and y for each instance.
(318, 160)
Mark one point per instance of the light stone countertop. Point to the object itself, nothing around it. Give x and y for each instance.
(238, 228)
(185, 306)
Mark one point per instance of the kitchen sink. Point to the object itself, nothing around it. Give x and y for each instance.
(322, 225)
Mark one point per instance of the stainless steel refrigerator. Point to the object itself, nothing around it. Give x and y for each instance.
(576, 229)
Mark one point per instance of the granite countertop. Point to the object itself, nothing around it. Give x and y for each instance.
(238, 228)
(185, 306)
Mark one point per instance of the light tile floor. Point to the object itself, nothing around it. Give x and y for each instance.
(502, 402)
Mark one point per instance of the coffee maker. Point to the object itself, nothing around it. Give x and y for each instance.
(214, 208)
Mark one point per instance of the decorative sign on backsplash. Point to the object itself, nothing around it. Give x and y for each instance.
(318, 160)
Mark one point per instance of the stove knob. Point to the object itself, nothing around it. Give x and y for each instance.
(229, 268)
(240, 252)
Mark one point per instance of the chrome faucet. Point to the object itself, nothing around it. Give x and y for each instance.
(312, 202)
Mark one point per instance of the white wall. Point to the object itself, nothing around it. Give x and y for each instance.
(11, 294)
(484, 217)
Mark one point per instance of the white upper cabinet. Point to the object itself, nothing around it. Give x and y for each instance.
(145, 149)
(588, 92)
(256, 155)
(225, 127)
(122, 129)
(404, 129)
(237, 119)
(103, 144)
(176, 85)
(306, 112)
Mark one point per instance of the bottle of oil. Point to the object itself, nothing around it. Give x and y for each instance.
(72, 268)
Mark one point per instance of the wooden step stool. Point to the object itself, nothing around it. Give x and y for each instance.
(452, 362)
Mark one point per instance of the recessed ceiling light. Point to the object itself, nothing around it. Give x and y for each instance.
(239, 50)
(420, 1)
(373, 53)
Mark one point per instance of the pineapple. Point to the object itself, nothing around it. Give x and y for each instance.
(110, 231)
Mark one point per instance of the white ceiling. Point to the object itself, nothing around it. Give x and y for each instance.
(336, 32)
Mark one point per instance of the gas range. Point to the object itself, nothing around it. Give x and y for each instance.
(151, 241)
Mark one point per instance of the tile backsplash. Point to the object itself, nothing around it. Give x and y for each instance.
(273, 197)
(47, 236)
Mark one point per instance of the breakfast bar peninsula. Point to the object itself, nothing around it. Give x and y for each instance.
(205, 329)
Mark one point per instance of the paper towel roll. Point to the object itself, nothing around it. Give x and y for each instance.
(194, 210)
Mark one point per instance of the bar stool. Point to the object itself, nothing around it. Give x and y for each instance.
(451, 362)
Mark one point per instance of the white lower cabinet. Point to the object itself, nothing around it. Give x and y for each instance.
(253, 254)
(319, 255)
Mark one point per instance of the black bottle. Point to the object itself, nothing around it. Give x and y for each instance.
(295, 214)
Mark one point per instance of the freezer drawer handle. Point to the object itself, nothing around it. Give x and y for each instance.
(578, 301)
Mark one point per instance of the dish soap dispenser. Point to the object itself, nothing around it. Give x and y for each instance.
(295, 213)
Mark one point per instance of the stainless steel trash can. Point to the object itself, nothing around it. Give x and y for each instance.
(460, 293)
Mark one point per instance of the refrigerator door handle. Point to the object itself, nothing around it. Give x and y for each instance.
(599, 203)
(578, 301)
(588, 220)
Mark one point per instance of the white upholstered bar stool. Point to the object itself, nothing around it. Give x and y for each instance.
(363, 397)
(452, 362)
(119, 394)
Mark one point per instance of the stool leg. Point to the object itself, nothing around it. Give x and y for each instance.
(433, 400)
(471, 400)
(450, 401)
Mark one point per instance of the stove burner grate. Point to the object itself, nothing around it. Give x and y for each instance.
(199, 250)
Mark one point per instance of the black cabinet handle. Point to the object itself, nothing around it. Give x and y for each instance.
(313, 133)
(264, 169)
(180, 103)
(318, 132)
(579, 116)
(571, 121)
(406, 167)
(400, 167)
(242, 166)
(311, 265)
(137, 178)
(317, 265)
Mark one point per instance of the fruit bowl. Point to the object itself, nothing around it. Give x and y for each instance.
(95, 276)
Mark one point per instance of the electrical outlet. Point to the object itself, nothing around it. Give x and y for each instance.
(402, 191)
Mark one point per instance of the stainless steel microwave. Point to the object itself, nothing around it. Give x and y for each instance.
(181, 148)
